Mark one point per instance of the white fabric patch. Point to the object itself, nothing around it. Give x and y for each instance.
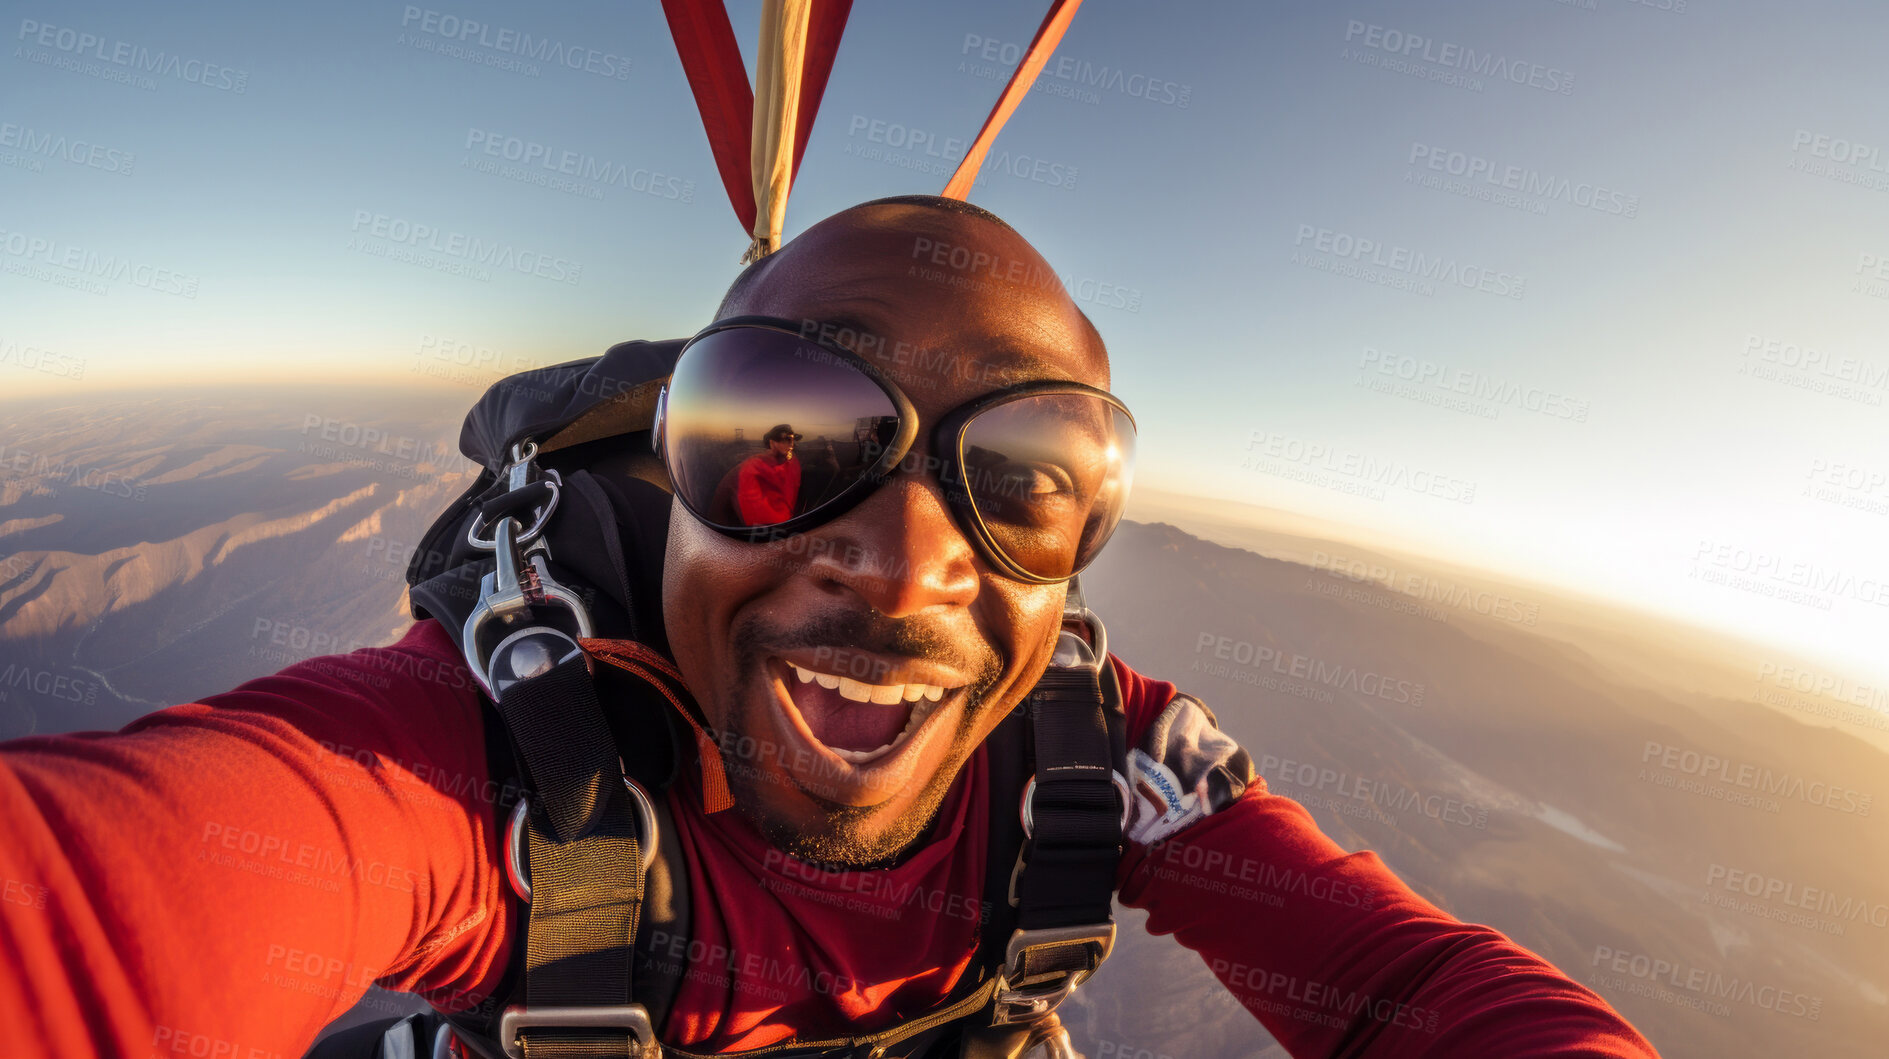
(1161, 806)
(1186, 768)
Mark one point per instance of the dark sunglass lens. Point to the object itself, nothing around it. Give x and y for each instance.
(1049, 478)
(762, 426)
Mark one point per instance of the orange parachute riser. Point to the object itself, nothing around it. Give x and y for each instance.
(1042, 46)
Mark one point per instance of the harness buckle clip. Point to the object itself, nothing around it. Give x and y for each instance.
(518, 1018)
(1072, 955)
(516, 841)
(519, 583)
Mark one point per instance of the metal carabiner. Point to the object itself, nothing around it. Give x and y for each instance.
(519, 582)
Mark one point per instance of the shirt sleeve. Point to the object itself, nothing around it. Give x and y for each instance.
(1328, 949)
(226, 877)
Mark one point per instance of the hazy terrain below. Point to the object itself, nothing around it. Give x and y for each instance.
(1602, 786)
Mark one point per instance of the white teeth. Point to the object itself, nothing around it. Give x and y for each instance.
(860, 691)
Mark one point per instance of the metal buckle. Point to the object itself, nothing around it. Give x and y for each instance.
(518, 475)
(503, 594)
(1028, 808)
(520, 877)
(519, 581)
(1076, 609)
(1024, 998)
(518, 1018)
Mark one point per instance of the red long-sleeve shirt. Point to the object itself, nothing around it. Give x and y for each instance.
(224, 878)
(767, 489)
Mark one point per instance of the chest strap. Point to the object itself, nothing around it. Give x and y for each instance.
(584, 834)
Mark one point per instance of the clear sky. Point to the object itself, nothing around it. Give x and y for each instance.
(1591, 292)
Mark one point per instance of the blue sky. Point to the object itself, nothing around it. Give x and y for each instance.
(1590, 293)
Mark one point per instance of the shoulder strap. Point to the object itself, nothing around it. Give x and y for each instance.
(1073, 811)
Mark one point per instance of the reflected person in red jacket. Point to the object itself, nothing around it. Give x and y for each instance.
(768, 485)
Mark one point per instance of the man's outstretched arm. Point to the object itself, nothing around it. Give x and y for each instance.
(226, 877)
(1328, 949)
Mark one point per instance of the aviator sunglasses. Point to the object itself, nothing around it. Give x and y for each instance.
(1036, 474)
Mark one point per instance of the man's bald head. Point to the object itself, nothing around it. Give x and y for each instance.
(941, 230)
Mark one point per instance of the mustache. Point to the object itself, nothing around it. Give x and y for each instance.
(754, 638)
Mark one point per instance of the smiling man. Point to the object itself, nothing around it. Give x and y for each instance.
(897, 584)
(225, 877)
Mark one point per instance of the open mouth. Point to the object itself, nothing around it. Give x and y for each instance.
(860, 722)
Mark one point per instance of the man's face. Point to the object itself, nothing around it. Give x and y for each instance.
(783, 447)
(891, 596)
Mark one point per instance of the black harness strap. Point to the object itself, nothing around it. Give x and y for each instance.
(569, 756)
(1076, 838)
(586, 866)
